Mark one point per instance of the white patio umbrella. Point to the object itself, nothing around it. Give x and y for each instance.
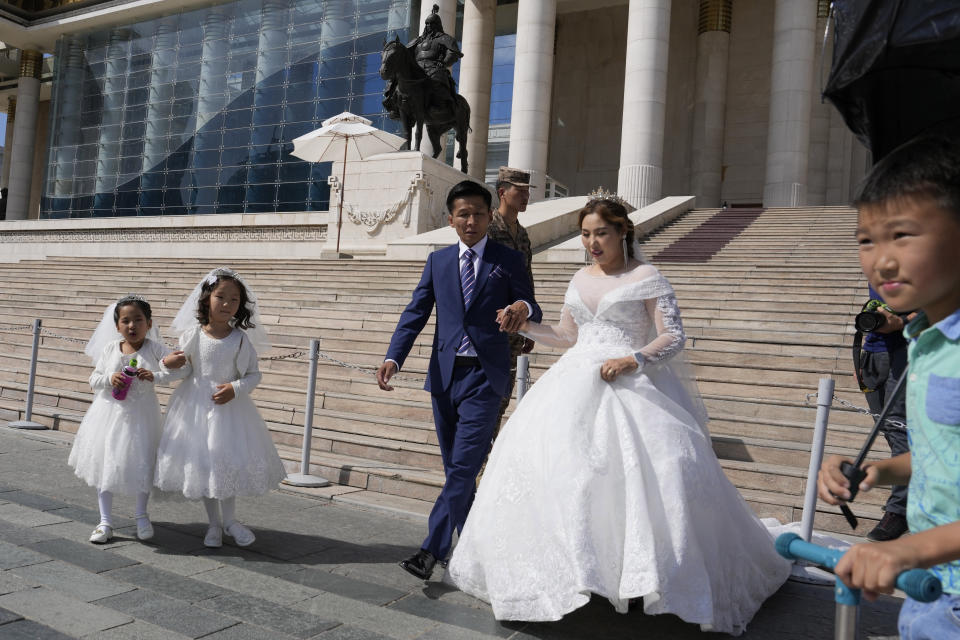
(344, 137)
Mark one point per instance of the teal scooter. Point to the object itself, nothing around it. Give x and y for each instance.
(919, 584)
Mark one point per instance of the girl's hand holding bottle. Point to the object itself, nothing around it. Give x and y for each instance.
(224, 394)
(122, 380)
(145, 374)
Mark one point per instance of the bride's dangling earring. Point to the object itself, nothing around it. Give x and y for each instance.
(626, 257)
(587, 258)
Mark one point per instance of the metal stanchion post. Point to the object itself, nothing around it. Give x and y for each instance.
(27, 423)
(304, 479)
(523, 369)
(824, 400)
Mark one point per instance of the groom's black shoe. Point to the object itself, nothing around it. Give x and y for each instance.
(420, 564)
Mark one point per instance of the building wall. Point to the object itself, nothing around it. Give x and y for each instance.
(588, 98)
(681, 86)
(748, 101)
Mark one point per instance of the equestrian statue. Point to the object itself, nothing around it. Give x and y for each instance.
(420, 88)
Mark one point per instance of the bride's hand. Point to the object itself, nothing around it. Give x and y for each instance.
(614, 367)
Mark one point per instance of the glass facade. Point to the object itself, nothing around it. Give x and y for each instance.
(194, 113)
(501, 89)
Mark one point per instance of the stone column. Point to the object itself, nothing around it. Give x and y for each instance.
(111, 121)
(860, 162)
(67, 134)
(24, 135)
(476, 76)
(788, 128)
(8, 141)
(213, 67)
(644, 102)
(710, 100)
(819, 113)
(448, 17)
(533, 91)
(840, 145)
(155, 148)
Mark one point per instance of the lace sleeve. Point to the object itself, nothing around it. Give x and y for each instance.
(670, 337)
(562, 335)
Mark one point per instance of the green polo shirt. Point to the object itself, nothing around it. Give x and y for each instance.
(933, 426)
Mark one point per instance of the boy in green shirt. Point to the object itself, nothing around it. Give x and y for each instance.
(908, 230)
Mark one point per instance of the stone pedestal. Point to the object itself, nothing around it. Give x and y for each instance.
(387, 197)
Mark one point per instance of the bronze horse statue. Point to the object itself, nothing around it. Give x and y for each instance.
(419, 99)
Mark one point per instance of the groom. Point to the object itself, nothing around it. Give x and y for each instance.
(482, 293)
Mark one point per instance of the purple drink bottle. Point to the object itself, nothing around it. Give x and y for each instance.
(129, 373)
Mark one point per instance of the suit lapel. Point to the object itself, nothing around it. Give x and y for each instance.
(450, 284)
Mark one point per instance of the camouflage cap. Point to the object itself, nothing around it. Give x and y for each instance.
(516, 177)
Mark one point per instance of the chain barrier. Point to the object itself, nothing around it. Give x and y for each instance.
(16, 327)
(840, 402)
(366, 370)
(46, 332)
(363, 369)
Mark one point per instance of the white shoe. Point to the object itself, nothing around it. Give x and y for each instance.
(241, 535)
(101, 535)
(214, 537)
(144, 528)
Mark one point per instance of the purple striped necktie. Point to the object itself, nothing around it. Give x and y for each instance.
(468, 281)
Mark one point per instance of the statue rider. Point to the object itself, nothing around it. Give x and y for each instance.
(435, 52)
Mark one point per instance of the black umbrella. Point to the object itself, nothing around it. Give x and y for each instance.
(896, 69)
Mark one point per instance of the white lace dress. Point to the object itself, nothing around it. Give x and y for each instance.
(216, 450)
(613, 488)
(116, 445)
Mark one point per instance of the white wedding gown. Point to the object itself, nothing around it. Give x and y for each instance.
(116, 445)
(614, 488)
(210, 450)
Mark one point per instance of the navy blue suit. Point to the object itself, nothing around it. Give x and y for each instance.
(466, 400)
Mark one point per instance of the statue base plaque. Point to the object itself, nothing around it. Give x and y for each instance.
(386, 197)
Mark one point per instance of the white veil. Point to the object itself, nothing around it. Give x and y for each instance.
(186, 317)
(106, 331)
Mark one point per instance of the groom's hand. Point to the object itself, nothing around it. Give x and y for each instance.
(384, 373)
(512, 318)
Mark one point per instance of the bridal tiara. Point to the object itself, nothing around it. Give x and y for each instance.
(132, 297)
(602, 194)
(211, 278)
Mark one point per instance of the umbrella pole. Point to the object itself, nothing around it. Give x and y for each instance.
(343, 179)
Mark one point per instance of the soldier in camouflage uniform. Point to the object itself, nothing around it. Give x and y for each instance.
(513, 191)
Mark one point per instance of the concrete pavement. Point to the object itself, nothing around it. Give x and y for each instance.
(319, 569)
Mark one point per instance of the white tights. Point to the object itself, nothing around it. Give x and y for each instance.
(105, 498)
(214, 507)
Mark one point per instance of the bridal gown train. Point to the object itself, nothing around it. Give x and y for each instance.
(614, 488)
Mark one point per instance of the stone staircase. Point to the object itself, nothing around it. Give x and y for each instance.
(768, 315)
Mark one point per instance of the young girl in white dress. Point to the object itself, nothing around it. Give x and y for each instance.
(215, 446)
(116, 444)
(604, 480)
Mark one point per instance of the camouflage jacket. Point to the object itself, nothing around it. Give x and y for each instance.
(499, 231)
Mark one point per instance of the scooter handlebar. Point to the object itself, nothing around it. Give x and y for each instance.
(919, 584)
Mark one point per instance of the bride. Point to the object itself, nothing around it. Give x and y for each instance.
(604, 479)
